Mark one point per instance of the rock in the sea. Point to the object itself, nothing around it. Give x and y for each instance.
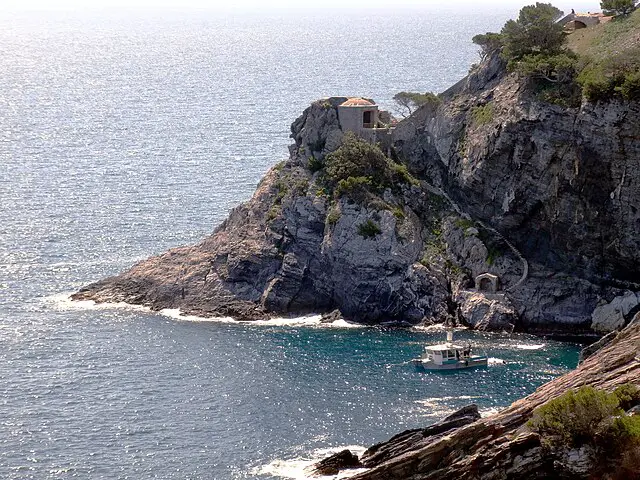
(541, 196)
(335, 463)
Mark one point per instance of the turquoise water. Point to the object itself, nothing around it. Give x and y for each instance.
(121, 136)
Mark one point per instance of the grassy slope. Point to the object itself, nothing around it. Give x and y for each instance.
(601, 41)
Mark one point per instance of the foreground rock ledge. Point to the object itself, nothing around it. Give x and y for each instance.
(500, 447)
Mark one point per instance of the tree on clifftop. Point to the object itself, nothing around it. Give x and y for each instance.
(536, 31)
(618, 8)
(489, 42)
(410, 101)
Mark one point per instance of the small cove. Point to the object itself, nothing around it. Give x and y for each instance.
(123, 137)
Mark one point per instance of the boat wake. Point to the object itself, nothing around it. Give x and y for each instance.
(496, 361)
(530, 347)
(299, 468)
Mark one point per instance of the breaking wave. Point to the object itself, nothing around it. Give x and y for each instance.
(299, 468)
(63, 302)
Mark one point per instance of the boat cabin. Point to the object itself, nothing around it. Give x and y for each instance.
(446, 353)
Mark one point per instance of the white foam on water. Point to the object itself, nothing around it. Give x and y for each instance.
(345, 324)
(495, 361)
(530, 347)
(438, 327)
(176, 314)
(299, 468)
(487, 412)
(63, 302)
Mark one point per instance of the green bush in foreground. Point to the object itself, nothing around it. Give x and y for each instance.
(576, 417)
(593, 417)
(628, 396)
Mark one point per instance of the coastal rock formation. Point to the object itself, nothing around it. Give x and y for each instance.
(501, 446)
(293, 249)
(546, 198)
(411, 440)
(332, 465)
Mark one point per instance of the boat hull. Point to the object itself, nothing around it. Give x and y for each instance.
(473, 362)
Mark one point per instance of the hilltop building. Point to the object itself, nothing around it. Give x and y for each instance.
(576, 21)
(362, 117)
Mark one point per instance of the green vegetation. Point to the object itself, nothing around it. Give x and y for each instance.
(369, 229)
(334, 214)
(314, 164)
(398, 212)
(618, 7)
(410, 101)
(285, 185)
(357, 167)
(575, 418)
(535, 32)
(482, 114)
(463, 223)
(592, 417)
(356, 188)
(628, 395)
(489, 43)
(616, 75)
(599, 62)
(361, 172)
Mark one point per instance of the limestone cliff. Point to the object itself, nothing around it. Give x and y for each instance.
(544, 197)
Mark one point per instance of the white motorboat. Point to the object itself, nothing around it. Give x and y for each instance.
(449, 356)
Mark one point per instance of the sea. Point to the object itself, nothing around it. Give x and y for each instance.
(126, 132)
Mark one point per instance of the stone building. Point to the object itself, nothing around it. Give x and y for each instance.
(362, 117)
(576, 21)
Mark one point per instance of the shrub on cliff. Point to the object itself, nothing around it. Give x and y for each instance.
(576, 417)
(628, 396)
(410, 101)
(592, 417)
(369, 229)
(489, 43)
(618, 74)
(358, 166)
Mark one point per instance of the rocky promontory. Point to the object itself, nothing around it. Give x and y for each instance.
(487, 207)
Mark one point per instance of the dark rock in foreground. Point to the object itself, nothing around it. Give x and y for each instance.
(415, 439)
(335, 463)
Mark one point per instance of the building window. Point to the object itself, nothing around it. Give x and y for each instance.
(367, 119)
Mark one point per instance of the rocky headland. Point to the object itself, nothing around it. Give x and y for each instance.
(488, 206)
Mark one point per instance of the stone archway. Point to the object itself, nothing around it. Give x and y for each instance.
(487, 282)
